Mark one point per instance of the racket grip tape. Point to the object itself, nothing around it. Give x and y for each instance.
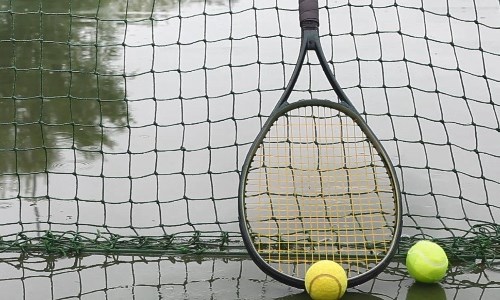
(308, 13)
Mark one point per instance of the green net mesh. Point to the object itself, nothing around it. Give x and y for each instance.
(124, 124)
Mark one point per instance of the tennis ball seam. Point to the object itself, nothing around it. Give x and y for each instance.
(330, 276)
(429, 261)
(421, 255)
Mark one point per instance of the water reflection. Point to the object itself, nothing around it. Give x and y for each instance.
(54, 101)
(426, 291)
(349, 295)
(63, 108)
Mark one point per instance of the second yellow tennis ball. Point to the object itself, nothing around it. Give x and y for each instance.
(326, 280)
(427, 262)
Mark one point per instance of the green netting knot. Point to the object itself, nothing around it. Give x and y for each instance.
(224, 240)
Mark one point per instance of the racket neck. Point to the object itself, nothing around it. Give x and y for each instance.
(310, 39)
(311, 42)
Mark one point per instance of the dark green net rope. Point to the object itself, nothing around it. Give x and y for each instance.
(479, 245)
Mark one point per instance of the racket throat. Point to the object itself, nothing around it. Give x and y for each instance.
(310, 38)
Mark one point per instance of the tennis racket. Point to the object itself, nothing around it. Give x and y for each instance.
(317, 184)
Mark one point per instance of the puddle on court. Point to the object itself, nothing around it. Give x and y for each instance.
(166, 159)
(191, 277)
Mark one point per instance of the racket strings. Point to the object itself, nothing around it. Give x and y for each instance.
(318, 189)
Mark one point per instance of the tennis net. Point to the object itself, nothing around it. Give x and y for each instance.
(124, 124)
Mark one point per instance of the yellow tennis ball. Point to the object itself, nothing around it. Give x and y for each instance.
(426, 262)
(326, 280)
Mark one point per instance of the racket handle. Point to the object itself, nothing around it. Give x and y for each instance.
(308, 12)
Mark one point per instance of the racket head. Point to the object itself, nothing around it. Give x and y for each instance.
(317, 184)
